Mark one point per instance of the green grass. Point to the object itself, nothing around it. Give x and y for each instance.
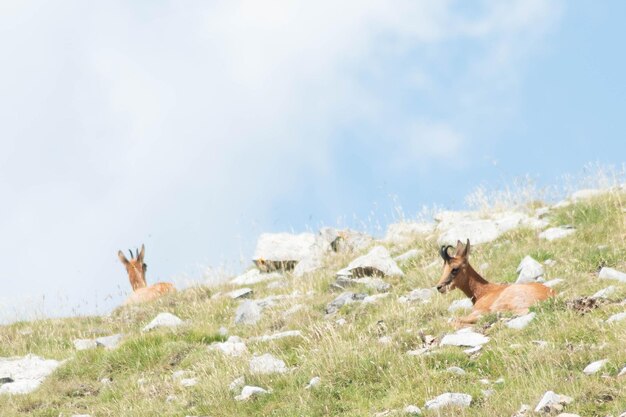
(360, 376)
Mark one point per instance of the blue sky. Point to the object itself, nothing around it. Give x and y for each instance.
(194, 127)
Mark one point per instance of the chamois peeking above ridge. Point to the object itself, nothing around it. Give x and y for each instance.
(136, 268)
(486, 297)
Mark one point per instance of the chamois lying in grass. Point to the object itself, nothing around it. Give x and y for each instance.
(486, 297)
(136, 269)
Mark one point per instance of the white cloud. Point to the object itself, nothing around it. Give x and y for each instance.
(181, 124)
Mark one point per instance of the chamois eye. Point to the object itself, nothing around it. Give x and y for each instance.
(454, 271)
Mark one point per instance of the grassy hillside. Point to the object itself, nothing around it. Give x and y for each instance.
(360, 376)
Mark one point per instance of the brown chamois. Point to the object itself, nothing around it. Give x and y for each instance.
(136, 269)
(486, 297)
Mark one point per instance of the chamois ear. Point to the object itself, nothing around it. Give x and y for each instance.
(142, 252)
(459, 248)
(120, 255)
(467, 249)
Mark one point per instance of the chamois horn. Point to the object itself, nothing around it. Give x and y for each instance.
(131, 253)
(444, 252)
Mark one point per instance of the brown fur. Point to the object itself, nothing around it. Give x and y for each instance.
(136, 269)
(486, 297)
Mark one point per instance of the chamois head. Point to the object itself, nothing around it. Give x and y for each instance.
(454, 267)
(135, 267)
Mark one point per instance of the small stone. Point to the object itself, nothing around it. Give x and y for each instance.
(109, 342)
(275, 336)
(420, 294)
(418, 352)
(550, 401)
(240, 293)
(520, 322)
(223, 331)
(341, 322)
(313, 382)
(23, 375)
(234, 346)
(237, 384)
(412, 410)
(163, 320)
(377, 262)
(84, 344)
(170, 398)
(249, 392)
(464, 337)
(529, 270)
(456, 370)
(473, 350)
(463, 304)
(267, 364)
(188, 382)
(106, 381)
(523, 411)
(553, 282)
(605, 292)
(343, 299)
(622, 372)
(616, 317)
(376, 284)
(385, 340)
(610, 273)
(556, 233)
(248, 312)
(408, 255)
(594, 367)
(374, 298)
(449, 399)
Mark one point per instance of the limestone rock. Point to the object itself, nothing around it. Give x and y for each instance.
(237, 384)
(594, 367)
(84, 344)
(529, 270)
(275, 336)
(240, 293)
(163, 320)
(377, 262)
(24, 374)
(267, 364)
(282, 251)
(449, 399)
(315, 381)
(408, 255)
(556, 233)
(345, 298)
(406, 232)
(412, 410)
(456, 370)
(254, 276)
(419, 294)
(614, 274)
(617, 317)
(462, 304)
(464, 337)
(520, 322)
(234, 346)
(109, 342)
(249, 392)
(553, 282)
(374, 298)
(248, 312)
(552, 401)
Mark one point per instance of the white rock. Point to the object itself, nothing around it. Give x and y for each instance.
(84, 344)
(462, 304)
(374, 298)
(237, 384)
(188, 382)
(343, 299)
(377, 259)
(406, 232)
(248, 312)
(553, 282)
(610, 273)
(464, 337)
(550, 399)
(109, 342)
(267, 364)
(616, 317)
(567, 415)
(283, 247)
(313, 382)
(234, 346)
(249, 391)
(412, 410)
(274, 285)
(520, 322)
(307, 265)
(240, 293)
(556, 233)
(385, 340)
(223, 331)
(473, 350)
(178, 375)
(594, 367)
(163, 320)
(254, 276)
(456, 370)
(374, 284)
(341, 322)
(26, 373)
(477, 231)
(449, 399)
(586, 194)
(605, 292)
(419, 294)
(622, 372)
(529, 270)
(408, 255)
(275, 336)
(343, 241)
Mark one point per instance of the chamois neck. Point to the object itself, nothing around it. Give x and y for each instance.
(473, 285)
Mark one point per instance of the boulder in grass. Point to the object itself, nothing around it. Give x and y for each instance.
(551, 402)
(594, 367)
(554, 233)
(529, 270)
(254, 276)
(163, 320)
(109, 342)
(464, 337)
(343, 299)
(267, 364)
(613, 274)
(248, 312)
(249, 392)
(23, 375)
(377, 262)
(282, 251)
(520, 322)
(448, 399)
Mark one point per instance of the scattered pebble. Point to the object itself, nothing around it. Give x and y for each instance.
(237, 384)
(267, 364)
(529, 270)
(275, 336)
(520, 322)
(463, 304)
(610, 273)
(233, 346)
(240, 293)
(553, 282)
(616, 317)
(248, 312)
(551, 402)
(449, 399)
(249, 392)
(594, 367)
(315, 381)
(456, 370)
(464, 337)
(163, 320)
(412, 410)
(556, 233)
(109, 342)
(84, 344)
(605, 292)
